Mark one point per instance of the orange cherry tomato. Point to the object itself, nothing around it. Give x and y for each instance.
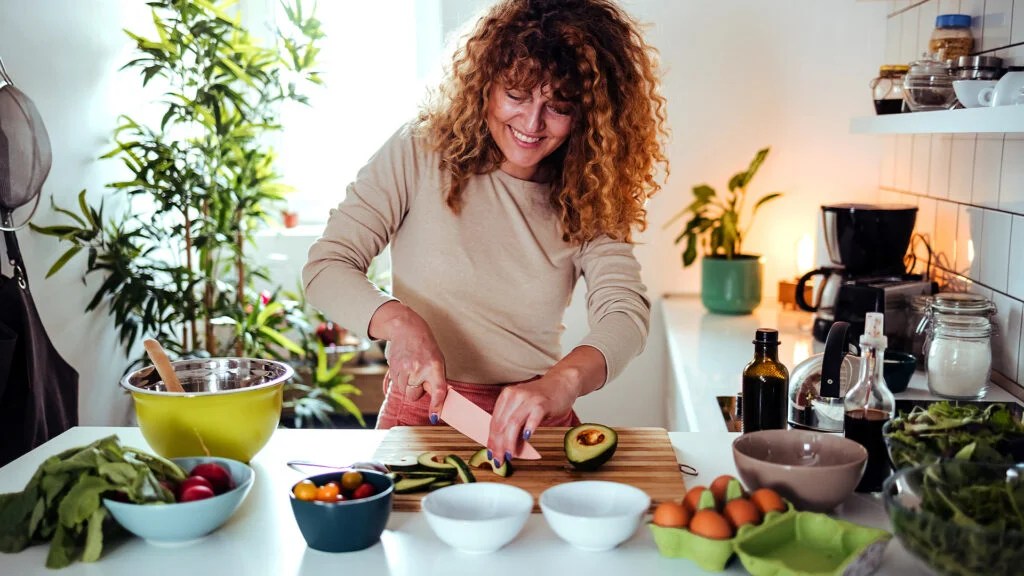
(351, 480)
(328, 492)
(305, 490)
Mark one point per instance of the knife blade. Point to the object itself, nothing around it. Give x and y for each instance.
(473, 421)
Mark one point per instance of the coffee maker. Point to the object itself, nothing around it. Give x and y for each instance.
(866, 244)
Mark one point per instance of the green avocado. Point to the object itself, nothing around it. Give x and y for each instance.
(588, 446)
(480, 459)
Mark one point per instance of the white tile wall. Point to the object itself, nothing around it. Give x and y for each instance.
(969, 188)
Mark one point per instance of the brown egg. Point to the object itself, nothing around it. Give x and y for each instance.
(692, 498)
(671, 515)
(718, 488)
(710, 524)
(768, 500)
(740, 511)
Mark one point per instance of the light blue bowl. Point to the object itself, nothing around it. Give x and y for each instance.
(174, 524)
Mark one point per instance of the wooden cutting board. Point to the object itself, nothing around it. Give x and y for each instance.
(644, 458)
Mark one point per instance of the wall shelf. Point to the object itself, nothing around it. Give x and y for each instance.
(1000, 119)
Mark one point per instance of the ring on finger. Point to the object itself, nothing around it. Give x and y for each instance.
(418, 385)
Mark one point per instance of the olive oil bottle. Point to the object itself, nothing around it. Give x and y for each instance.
(869, 404)
(765, 385)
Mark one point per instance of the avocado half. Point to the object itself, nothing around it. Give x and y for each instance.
(588, 446)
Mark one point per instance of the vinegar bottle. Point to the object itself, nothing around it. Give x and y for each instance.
(869, 405)
(765, 385)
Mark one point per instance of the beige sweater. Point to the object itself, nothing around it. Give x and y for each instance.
(493, 282)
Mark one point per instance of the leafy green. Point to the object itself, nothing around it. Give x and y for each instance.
(947, 430)
(62, 502)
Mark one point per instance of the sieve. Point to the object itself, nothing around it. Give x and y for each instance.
(25, 154)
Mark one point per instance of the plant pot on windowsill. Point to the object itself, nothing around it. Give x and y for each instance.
(731, 286)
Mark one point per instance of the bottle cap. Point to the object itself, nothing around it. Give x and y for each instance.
(766, 336)
(873, 333)
(953, 21)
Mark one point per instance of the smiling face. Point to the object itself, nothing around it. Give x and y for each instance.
(527, 125)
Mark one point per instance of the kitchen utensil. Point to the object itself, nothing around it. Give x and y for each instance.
(594, 515)
(176, 524)
(163, 365)
(473, 421)
(231, 406)
(815, 471)
(1008, 91)
(819, 383)
(978, 68)
(477, 518)
(25, 155)
(644, 458)
(305, 466)
(347, 525)
(967, 91)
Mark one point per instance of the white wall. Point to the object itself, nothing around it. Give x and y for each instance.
(740, 75)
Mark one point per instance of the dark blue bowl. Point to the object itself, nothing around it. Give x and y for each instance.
(349, 525)
(897, 369)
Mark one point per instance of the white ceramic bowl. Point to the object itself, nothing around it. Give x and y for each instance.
(967, 91)
(180, 523)
(592, 514)
(478, 518)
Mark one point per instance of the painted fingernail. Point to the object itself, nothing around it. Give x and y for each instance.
(527, 434)
(433, 418)
(496, 463)
(508, 456)
(490, 456)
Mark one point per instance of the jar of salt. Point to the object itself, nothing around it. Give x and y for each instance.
(958, 347)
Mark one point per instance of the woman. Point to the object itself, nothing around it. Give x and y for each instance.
(530, 170)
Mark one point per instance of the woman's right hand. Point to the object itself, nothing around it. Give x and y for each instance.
(415, 361)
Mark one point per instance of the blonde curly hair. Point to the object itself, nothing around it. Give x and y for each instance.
(593, 56)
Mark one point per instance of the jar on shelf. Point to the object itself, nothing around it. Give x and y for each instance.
(928, 85)
(951, 37)
(917, 309)
(978, 68)
(957, 348)
(887, 88)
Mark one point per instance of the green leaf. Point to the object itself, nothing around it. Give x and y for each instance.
(62, 548)
(82, 500)
(94, 536)
(282, 340)
(349, 406)
(63, 260)
(690, 254)
(763, 200)
(737, 180)
(755, 164)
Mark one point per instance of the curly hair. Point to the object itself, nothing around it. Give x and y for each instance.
(593, 56)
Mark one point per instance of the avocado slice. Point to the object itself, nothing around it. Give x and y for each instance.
(480, 459)
(406, 485)
(465, 474)
(588, 446)
(435, 461)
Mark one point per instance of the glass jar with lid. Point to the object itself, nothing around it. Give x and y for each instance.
(928, 85)
(887, 88)
(952, 37)
(917, 309)
(957, 348)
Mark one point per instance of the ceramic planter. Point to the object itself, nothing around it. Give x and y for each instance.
(731, 286)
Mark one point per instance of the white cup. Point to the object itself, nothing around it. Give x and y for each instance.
(967, 91)
(1007, 92)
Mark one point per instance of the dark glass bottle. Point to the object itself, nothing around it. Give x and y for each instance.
(869, 405)
(765, 385)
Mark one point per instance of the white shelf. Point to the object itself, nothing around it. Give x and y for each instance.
(999, 119)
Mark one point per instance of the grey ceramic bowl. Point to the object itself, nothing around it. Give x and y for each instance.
(815, 471)
(348, 525)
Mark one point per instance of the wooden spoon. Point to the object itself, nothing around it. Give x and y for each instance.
(163, 365)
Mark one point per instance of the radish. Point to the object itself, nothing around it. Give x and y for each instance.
(193, 481)
(195, 492)
(217, 475)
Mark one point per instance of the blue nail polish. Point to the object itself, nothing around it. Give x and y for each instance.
(496, 463)
(433, 418)
(490, 456)
(508, 456)
(526, 434)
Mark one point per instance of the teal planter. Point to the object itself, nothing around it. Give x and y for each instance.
(731, 286)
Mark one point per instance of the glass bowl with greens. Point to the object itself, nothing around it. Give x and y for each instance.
(961, 518)
(973, 431)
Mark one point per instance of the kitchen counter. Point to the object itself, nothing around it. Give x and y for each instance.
(262, 537)
(707, 353)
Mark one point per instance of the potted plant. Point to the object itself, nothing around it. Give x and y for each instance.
(730, 278)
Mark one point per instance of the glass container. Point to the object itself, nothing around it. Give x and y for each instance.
(951, 37)
(959, 360)
(887, 88)
(928, 85)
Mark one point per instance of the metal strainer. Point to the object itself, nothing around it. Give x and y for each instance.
(25, 155)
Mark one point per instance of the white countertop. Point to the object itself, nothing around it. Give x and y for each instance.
(263, 538)
(707, 353)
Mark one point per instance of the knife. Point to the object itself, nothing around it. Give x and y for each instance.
(473, 421)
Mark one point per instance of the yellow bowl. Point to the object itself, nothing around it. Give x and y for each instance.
(230, 407)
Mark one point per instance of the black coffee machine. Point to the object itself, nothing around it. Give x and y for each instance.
(866, 244)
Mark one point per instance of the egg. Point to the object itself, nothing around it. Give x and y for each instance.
(671, 515)
(719, 487)
(692, 498)
(767, 500)
(710, 524)
(740, 511)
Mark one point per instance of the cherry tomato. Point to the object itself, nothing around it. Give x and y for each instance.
(305, 490)
(364, 490)
(351, 480)
(328, 492)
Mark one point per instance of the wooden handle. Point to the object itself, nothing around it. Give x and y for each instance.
(163, 365)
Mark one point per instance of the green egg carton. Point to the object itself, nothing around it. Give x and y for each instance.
(810, 544)
(709, 554)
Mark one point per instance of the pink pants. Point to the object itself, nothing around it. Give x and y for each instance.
(396, 411)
